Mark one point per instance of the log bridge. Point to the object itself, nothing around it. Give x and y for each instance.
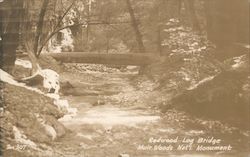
(138, 59)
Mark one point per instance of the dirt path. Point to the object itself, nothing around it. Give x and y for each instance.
(104, 128)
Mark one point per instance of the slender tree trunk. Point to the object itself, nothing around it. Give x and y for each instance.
(107, 39)
(88, 26)
(158, 31)
(40, 26)
(179, 8)
(191, 10)
(9, 32)
(209, 20)
(159, 40)
(136, 28)
(1, 37)
(107, 45)
(33, 60)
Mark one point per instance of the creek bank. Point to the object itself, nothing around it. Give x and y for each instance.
(29, 114)
(30, 121)
(205, 88)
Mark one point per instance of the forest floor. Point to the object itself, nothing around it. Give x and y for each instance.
(112, 121)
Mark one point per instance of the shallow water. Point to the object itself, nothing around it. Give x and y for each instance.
(103, 128)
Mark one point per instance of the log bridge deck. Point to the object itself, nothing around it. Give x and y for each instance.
(138, 59)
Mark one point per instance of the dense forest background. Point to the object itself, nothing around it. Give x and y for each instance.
(120, 26)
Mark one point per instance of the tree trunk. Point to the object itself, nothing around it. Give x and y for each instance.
(209, 21)
(159, 40)
(1, 39)
(9, 32)
(158, 31)
(191, 10)
(40, 26)
(88, 26)
(107, 41)
(135, 26)
(33, 60)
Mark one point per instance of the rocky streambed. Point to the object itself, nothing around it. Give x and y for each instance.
(115, 118)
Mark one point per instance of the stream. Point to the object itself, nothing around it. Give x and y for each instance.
(104, 127)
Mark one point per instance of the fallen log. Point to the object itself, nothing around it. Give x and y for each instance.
(139, 59)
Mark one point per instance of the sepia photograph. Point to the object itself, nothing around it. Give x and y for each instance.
(124, 78)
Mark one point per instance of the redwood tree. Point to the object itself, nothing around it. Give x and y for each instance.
(10, 15)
